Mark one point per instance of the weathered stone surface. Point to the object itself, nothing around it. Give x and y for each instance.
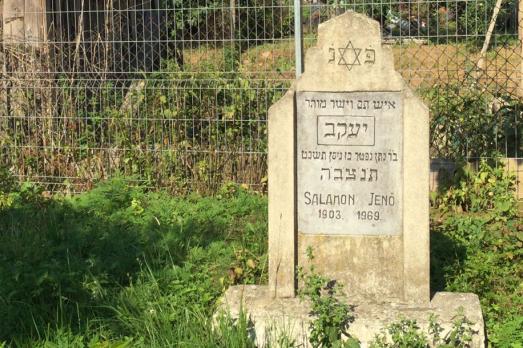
(282, 224)
(349, 163)
(352, 181)
(272, 318)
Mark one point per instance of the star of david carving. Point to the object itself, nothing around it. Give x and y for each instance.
(354, 54)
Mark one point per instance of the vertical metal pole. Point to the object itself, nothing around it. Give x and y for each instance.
(233, 20)
(520, 37)
(298, 38)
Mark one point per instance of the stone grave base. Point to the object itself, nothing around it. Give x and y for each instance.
(271, 319)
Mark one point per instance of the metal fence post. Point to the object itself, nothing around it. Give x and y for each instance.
(520, 37)
(298, 38)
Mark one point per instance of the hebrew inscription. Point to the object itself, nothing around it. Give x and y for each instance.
(349, 165)
(346, 130)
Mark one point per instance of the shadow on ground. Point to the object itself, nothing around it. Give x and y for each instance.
(445, 256)
(58, 258)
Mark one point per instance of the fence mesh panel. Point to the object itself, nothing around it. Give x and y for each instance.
(175, 93)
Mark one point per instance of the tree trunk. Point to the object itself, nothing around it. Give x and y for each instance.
(486, 43)
(520, 35)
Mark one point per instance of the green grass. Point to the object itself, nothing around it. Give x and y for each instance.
(120, 266)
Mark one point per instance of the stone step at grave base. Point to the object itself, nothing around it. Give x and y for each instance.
(271, 319)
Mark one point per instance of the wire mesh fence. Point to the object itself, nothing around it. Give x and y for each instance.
(175, 93)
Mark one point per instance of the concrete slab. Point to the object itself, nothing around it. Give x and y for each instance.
(274, 318)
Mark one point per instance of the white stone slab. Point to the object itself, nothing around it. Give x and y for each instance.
(349, 163)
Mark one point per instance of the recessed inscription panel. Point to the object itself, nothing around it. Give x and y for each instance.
(346, 130)
(349, 165)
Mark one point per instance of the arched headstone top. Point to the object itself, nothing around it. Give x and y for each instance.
(349, 56)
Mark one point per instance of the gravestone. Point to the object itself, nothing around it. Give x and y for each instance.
(349, 180)
(355, 188)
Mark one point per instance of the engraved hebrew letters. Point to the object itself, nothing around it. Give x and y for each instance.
(349, 165)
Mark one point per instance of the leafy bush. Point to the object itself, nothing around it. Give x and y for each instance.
(477, 246)
(407, 333)
(210, 117)
(478, 254)
(436, 20)
(488, 189)
(7, 186)
(256, 20)
(474, 20)
(469, 122)
(262, 20)
(331, 316)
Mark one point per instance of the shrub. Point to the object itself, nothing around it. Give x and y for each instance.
(474, 20)
(467, 122)
(478, 254)
(476, 246)
(407, 333)
(488, 189)
(331, 317)
(256, 20)
(7, 186)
